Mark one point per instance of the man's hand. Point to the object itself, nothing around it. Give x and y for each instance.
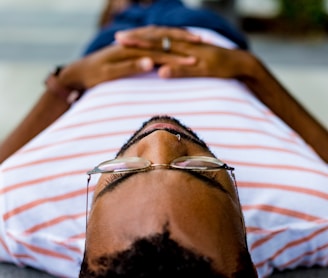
(114, 62)
(211, 61)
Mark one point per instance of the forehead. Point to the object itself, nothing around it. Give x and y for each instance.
(141, 206)
(169, 188)
(161, 192)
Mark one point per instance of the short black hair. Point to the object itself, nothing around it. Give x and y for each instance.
(160, 256)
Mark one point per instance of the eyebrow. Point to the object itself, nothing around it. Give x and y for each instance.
(208, 181)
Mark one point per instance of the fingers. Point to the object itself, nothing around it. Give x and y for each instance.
(158, 57)
(162, 59)
(176, 71)
(113, 71)
(130, 67)
(151, 36)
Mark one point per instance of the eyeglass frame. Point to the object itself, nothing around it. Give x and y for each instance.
(151, 166)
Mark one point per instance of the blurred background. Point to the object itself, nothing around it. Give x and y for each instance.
(36, 35)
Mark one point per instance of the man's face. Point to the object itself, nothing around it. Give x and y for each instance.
(201, 213)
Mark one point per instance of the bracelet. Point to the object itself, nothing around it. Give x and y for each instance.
(69, 95)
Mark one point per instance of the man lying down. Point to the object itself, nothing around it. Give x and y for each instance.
(225, 177)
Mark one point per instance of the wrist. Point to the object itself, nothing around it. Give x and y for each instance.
(61, 89)
(249, 68)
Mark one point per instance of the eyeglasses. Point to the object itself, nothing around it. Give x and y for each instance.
(139, 164)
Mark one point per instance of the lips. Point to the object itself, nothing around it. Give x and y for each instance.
(155, 126)
(166, 123)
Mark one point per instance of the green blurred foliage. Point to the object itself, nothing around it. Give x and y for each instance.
(303, 15)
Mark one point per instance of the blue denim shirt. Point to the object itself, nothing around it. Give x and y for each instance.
(170, 13)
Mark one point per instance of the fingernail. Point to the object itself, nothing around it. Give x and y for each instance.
(189, 60)
(164, 72)
(146, 64)
(195, 38)
(120, 34)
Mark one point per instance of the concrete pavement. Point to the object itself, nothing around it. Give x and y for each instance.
(34, 37)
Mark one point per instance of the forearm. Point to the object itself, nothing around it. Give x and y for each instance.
(61, 88)
(46, 111)
(269, 91)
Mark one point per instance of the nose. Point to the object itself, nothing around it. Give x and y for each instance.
(161, 146)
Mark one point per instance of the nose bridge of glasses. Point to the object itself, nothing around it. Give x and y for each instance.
(160, 165)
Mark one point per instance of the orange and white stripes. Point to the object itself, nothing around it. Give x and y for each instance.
(283, 184)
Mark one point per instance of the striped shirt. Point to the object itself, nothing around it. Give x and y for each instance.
(282, 183)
